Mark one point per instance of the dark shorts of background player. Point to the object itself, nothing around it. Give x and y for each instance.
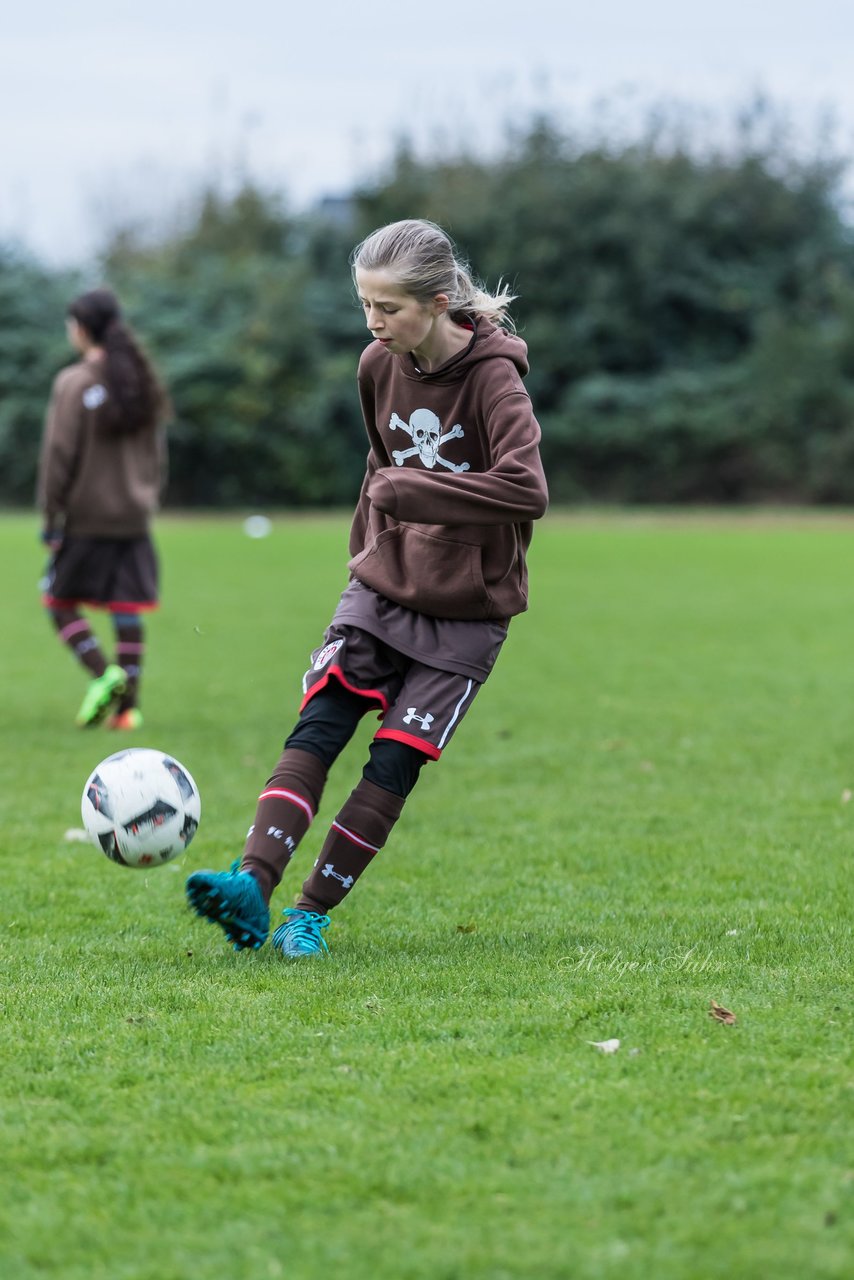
(419, 705)
(117, 574)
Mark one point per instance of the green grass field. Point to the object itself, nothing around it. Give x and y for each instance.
(647, 809)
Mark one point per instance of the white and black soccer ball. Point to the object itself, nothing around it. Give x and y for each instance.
(141, 807)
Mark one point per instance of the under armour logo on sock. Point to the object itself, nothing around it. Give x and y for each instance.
(329, 870)
(425, 721)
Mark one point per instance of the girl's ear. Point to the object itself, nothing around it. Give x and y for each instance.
(441, 302)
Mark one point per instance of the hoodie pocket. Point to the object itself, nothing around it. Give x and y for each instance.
(429, 573)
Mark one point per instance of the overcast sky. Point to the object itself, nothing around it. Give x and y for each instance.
(111, 111)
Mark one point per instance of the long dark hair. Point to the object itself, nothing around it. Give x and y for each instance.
(136, 398)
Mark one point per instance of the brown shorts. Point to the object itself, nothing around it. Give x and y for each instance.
(418, 705)
(119, 574)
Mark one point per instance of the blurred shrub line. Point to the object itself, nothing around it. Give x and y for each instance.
(689, 314)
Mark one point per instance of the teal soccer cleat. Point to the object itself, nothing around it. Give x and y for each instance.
(301, 934)
(233, 900)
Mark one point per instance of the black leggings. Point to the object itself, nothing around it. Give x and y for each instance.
(328, 722)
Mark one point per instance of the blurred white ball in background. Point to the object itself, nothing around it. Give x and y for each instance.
(257, 526)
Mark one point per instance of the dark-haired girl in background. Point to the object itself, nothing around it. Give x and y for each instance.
(102, 470)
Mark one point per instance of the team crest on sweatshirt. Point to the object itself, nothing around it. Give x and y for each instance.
(425, 431)
(94, 396)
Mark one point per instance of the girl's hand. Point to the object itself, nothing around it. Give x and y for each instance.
(52, 538)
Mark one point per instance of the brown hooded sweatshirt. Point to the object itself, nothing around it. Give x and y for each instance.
(454, 480)
(94, 481)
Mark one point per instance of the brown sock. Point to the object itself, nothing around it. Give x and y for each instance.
(286, 809)
(130, 649)
(357, 834)
(75, 632)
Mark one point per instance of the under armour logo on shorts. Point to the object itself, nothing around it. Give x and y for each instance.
(425, 721)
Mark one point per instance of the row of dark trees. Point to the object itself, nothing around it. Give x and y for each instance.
(690, 319)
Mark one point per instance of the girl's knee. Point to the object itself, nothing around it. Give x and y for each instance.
(394, 766)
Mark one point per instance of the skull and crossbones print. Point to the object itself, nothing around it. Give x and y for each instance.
(425, 430)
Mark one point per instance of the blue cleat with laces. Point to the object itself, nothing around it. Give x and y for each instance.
(301, 934)
(233, 900)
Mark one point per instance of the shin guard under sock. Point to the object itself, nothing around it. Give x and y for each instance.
(357, 834)
(286, 809)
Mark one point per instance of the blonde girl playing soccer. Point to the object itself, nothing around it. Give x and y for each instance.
(436, 571)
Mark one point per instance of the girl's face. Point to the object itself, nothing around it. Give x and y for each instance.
(78, 336)
(75, 333)
(397, 319)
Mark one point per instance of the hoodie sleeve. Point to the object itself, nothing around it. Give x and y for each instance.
(512, 491)
(162, 460)
(361, 516)
(60, 447)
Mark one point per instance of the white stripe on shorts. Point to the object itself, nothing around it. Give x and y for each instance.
(455, 717)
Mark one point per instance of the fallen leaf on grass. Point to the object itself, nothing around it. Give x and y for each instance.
(467, 928)
(721, 1014)
(605, 1046)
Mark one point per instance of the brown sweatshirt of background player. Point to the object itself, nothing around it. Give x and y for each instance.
(93, 480)
(453, 482)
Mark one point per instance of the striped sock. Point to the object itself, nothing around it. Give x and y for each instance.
(286, 809)
(76, 634)
(130, 650)
(356, 836)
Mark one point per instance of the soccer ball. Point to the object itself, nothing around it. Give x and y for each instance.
(141, 807)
